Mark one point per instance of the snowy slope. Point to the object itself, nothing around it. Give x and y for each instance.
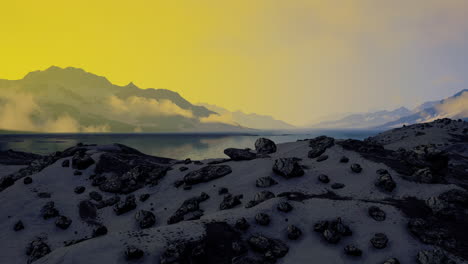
(21, 202)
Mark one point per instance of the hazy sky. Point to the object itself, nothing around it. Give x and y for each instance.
(296, 60)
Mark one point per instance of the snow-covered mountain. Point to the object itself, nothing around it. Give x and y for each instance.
(251, 120)
(73, 100)
(365, 120)
(455, 107)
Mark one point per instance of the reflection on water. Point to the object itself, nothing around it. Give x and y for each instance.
(178, 146)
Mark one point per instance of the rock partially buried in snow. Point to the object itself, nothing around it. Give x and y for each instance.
(145, 219)
(284, 207)
(262, 219)
(189, 206)
(242, 224)
(125, 206)
(293, 232)
(288, 167)
(206, 174)
(271, 248)
(436, 256)
(63, 222)
(376, 213)
(49, 210)
(81, 161)
(352, 250)
(392, 261)
(379, 240)
(385, 181)
(37, 249)
(230, 201)
(18, 226)
(323, 178)
(133, 253)
(356, 168)
(240, 154)
(259, 198)
(265, 146)
(264, 182)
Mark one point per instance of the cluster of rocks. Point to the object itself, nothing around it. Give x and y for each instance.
(263, 147)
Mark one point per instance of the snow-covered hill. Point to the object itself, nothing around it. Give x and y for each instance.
(321, 200)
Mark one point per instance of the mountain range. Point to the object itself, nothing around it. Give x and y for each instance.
(455, 107)
(73, 100)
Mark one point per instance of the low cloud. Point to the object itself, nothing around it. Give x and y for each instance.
(456, 107)
(225, 118)
(135, 106)
(17, 111)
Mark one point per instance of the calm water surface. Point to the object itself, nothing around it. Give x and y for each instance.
(177, 146)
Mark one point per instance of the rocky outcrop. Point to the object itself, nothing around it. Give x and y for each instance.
(207, 173)
(288, 167)
(265, 146)
(240, 154)
(190, 209)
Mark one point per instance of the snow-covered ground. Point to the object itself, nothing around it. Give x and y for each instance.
(22, 202)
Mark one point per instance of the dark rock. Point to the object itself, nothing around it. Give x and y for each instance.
(98, 180)
(207, 173)
(189, 206)
(63, 222)
(187, 187)
(145, 219)
(125, 206)
(81, 161)
(77, 173)
(18, 226)
(356, 168)
(95, 196)
(265, 146)
(79, 189)
(323, 178)
(262, 219)
(101, 230)
(242, 224)
(337, 185)
(430, 231)
(187, 161)
(344, 159)
(392, 261)
(288, 168)
(272, 248)
(197, 162)
(376, 213)
(87, 210)
(223, 190)
(284, 207)
(12, 157)
(331, 236)
(111, 201)
(424, 175)
(230, 201)
(183, 168)
(44, 195)
(332, 231)
(66, 163)
(352, 250)
(322, 158)
(293, 232)
(264, 182)
(385, 181)
(319, 145)
(49, 210)
(436, 256)
(259, 198)
(144, 197)
(37, 249)
(320, 226)
(239, 248)
(133, 253)
(379, 241)
(239, 154)
(27, 180)
(178, 183)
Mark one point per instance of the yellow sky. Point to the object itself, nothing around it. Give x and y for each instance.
(295, 60)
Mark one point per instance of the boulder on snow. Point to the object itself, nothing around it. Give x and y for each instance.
(288, 167)
(265, 146)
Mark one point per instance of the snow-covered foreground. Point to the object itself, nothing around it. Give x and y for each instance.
(284, 192)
